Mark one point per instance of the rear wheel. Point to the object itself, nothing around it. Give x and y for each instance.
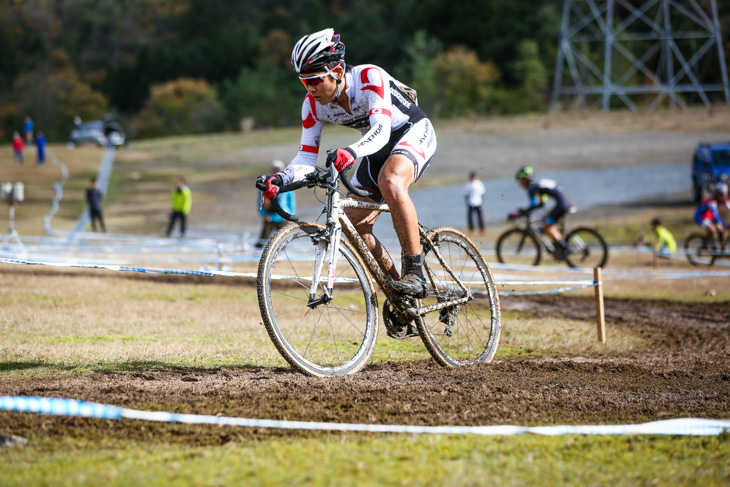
(463, 333)
(319, 335)
(518, 247)
(586, 248)
(700, 250)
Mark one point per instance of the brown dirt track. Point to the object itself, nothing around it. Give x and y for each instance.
(685, 374)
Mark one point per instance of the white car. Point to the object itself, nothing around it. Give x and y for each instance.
(97, 132)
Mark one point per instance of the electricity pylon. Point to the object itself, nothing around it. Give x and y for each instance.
(648, 51)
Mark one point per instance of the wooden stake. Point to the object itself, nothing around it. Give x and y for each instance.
(600, 314)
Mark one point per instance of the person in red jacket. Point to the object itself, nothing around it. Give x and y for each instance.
(18, 146)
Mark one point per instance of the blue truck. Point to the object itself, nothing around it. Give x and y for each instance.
(710, 164)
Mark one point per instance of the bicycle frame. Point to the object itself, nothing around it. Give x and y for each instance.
(531, 228)
(337, 224)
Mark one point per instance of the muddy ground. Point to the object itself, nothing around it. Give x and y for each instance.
(685, 373)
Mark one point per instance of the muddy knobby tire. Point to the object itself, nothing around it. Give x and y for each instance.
(335, 337)
(517, 246)
(586, 248)
(467, 333)
(699, 250)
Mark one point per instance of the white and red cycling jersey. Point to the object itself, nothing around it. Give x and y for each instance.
(389, 121)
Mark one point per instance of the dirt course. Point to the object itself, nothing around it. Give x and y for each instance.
(686, 373)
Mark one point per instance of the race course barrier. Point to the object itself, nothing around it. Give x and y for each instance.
(72, 407)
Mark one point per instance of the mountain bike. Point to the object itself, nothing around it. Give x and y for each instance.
(703, 251)
(319, 302)
(524, 244)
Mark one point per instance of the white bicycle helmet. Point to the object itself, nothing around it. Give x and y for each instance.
(318, 51)
(721, 189)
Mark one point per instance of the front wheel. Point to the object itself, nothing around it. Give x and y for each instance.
(463, 333)
(319, 335)
(518, 247)
(700, 250)
(586, 248)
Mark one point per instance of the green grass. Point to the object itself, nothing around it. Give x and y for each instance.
(362, 459)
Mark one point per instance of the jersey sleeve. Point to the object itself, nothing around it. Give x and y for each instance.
(374, 86)
(534, 196)
(306, 158)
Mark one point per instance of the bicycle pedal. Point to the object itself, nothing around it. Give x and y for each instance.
(396, 325)
(404, 336)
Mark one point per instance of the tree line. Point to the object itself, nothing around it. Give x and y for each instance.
(169, 67)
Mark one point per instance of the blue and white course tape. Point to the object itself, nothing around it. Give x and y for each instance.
(72, 407)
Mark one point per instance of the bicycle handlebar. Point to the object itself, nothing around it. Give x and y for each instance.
(318, 177)
(363, 193)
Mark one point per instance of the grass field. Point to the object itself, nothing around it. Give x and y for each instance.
(130, 339)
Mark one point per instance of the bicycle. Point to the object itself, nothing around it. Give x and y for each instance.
(523, 245)
(703, 251)
(317, 296)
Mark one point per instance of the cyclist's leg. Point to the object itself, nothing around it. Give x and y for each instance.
(721, 234)
(410, 157)
(710, 230)
(550, 226)
(394, 179)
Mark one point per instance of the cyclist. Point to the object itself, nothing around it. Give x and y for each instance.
(398, 142)
(708, 214)
(539, 191)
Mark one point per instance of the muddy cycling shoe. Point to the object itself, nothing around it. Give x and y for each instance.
(560, 252)
(396, 325)
(411, 285)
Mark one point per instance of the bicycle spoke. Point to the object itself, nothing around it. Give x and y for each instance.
(337, 334)
(468, 332)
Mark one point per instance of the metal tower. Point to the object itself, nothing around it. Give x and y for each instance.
(640, 52)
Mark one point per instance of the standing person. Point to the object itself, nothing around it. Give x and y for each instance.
(18, 146)
(28, 130)
(538, 191)
(271, 219)
(182, 202)
(474, 196)
(397, 143)
(94, 198)
(40, 144)
(665, 244)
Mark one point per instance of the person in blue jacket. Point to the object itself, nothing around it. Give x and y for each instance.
(271, 219)
(28, 130)
(40, 144)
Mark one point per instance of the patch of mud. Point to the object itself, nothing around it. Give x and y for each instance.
(686, 373)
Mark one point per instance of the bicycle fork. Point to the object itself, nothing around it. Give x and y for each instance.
(327, 246)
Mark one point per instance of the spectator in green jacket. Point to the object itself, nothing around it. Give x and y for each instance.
(182, 202)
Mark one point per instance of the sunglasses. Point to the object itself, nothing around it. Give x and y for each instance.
(316, 79)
